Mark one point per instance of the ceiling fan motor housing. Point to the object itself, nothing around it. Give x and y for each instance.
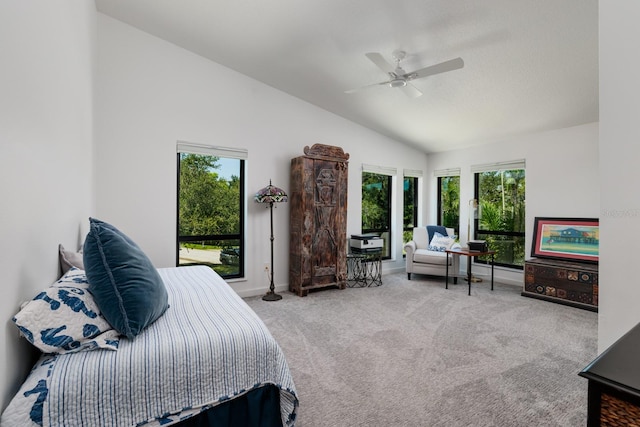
(399, 78)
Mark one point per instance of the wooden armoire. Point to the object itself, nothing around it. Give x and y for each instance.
(318, 226)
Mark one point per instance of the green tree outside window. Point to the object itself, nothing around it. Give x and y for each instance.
(209, 214)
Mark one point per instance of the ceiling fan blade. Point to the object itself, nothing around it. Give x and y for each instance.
(411, 91)
(382, 63)
(442, 67)
(365, 87)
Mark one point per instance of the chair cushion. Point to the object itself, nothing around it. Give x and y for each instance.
(424, 256)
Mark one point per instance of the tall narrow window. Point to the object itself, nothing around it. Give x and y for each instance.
(376, 204)
(210, 229)
(410, 209)
(449, 198)
(500, 219)
(412, 183)
(449, 202)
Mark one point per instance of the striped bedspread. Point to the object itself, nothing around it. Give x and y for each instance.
(208, 347)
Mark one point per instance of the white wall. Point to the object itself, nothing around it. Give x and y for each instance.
(619, 152)
(46, 125)
(152, 94)
(561, 174)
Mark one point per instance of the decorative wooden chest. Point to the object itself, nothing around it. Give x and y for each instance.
(318, 219)
(564, 282)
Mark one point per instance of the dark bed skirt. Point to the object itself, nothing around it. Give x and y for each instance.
(257, 408)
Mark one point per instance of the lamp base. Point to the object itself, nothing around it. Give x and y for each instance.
(271, 296)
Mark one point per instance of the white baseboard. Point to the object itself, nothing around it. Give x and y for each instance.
(393, 270)
(501, 275)
(510, 278)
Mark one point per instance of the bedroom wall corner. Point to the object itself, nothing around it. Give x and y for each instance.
(46, 178)
(545, 154)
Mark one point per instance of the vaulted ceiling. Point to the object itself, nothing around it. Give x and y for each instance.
(529, 65)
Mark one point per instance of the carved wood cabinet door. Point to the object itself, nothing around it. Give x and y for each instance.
(318, 219)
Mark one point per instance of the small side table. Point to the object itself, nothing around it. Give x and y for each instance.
(364, 269)
(614, 383)
(469, 254)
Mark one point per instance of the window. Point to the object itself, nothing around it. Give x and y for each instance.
(210, 229)
(449, 202)
(500, 191)
(410, 213)
(376, 204)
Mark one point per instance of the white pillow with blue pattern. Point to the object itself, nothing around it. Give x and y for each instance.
(64, 318)
(441, 243)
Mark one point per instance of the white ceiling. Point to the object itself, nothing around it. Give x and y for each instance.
(530, 65)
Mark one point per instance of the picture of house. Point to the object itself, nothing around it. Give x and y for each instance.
(570, 240)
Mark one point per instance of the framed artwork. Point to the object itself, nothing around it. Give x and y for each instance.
(571, 239)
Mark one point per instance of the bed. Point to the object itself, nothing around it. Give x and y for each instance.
(206, 360)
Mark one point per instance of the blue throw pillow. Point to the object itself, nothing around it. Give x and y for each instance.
(431, 229)
(125, 285)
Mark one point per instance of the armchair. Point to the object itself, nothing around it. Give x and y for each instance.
(421, 260)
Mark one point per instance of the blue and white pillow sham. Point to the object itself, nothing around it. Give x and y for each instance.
(64, 318)
(440, 243)
(74, 277)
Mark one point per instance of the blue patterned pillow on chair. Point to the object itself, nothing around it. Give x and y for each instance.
(440, 243)
(64, 318)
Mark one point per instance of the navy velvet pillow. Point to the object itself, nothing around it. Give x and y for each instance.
(125, 285)
(431, 229)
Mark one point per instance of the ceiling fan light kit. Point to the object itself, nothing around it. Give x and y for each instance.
(398, 78)
(398, 83)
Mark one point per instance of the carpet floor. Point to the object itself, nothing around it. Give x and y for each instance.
(410, 353)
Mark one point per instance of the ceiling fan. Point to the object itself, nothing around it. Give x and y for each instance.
(400, 78)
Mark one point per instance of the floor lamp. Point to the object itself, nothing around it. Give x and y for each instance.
(271, 195)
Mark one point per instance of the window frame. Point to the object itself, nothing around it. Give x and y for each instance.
(220, 152)
(415, 195)
(389, 174)
(440, 212)
(476, 220)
